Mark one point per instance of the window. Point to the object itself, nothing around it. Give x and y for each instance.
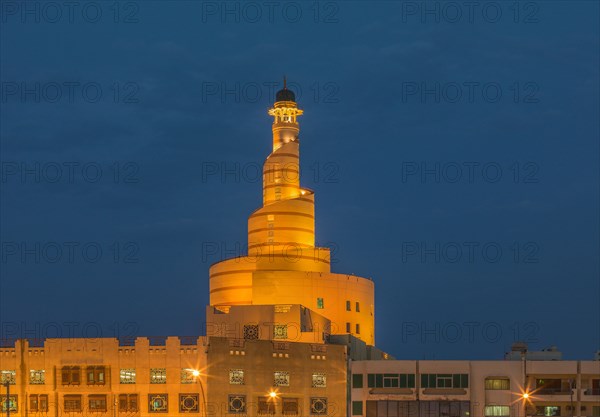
(72, 402)
(236, 376)
(38, 402)
(187, 376)
(391, 380)
(320, 303)
(158, 376)
(548, 411)
(266, 406)
(280, 331)
(8, 377)
(357, 408)
(97, 402)
(11, 404)
(189, 403)
(289, 406)
(348, 305)
(440, 408)
(549, 386)
(128, 403)
(357, 328)
(237, 404)
(158, 403)
(318, 406)
(496, 411)
(281, 379)
(444, 381)
(357, 307)
(127, 376)
(251, 331)
(37, 377)
(71, 375)
(357, 380)
(497, 383)
(319, 380)
(95, 375)
(347, 327)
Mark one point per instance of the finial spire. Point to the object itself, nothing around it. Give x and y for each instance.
(284, 83)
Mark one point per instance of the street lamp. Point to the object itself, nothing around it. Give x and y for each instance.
(196, 374)
(7, 402)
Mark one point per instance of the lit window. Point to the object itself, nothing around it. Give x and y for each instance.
(236, 376)
(548, 411)
(270, 217)
(11, 404)
(127, 376)
(9, 377)
(158, 403)
(497, 384)
(319, 380)
(187, 376)
(320, 303)
(158, 376)
(95, 375)
(281, 379)
(37, 376)
(496, 411)
(280, 331)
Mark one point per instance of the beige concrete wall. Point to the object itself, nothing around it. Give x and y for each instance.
(106, 352)
(259, 361)
(478, 372)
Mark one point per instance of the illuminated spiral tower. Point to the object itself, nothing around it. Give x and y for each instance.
(283, 266)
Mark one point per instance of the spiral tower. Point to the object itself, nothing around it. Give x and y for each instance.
(283, 265)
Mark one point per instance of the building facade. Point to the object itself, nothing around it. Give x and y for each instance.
(503, 388)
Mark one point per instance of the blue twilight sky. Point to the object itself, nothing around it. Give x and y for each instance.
(453, 148)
